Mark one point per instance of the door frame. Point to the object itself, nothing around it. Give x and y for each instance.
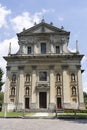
(27, 103)
(44, 106)
(59, 103)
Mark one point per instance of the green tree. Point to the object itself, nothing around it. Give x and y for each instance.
(1, 99)
(1, 93)
(1, 83)
(85, 99)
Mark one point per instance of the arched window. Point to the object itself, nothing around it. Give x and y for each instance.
(73, 90)
(13, 77)
(58, 77)
(13, 91)
(27, 77)
(27, 91)
(72, 77)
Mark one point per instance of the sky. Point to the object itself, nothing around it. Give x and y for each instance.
(18, 14)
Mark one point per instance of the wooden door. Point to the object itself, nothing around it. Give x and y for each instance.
(43, 100)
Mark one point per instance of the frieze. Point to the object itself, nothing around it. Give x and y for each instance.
(42, 86)
(57, 38)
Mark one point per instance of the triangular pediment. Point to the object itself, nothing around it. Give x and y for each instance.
(43, 28)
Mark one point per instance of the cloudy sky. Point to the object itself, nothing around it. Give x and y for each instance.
(18, 14)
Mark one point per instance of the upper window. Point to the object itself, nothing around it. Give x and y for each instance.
(13, 77)
(29, 50)
(43, 76)
(57, 49)
(43, 48)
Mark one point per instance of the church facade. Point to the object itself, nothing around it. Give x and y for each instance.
(44, 74)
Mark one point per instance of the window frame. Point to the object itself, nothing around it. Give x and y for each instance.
(57, 49)
(45, 78)
(29, 50)
(42, 49)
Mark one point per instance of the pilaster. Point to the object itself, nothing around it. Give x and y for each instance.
(66, 87)
(33, 91)
(7, 90)
(20, 89)
(52, 89)
(7, 85)
(80, 90)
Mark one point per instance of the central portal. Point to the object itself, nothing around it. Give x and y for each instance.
(42, 100)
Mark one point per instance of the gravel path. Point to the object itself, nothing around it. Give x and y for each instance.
(42, 124)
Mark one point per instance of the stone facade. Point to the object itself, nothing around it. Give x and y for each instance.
(44, 73)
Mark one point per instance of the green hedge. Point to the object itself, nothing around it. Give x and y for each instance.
(71, 111)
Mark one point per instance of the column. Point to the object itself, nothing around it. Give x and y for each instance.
(80, 90)
(52, 104)
(20, 90)
(7, 90)
(33, 88)
(66, 87)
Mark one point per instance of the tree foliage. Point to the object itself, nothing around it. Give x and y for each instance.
(1, 83)
(85, 99)
(1, 99)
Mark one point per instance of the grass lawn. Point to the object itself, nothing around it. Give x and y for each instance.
(16, 114)
(72, 115)
(11, 114)
(59, 115)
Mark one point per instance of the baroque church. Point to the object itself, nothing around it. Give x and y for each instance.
(44, 74)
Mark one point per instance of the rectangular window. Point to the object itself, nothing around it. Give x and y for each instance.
(43, 48)
(29, 50)
(57, 49)
(43, 76)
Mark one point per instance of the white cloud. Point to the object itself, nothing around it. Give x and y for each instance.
(3, 14)
(60, 19)
(4, 47)
(85, 87)
(85, 81)
(84, 59)
(26, 20)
